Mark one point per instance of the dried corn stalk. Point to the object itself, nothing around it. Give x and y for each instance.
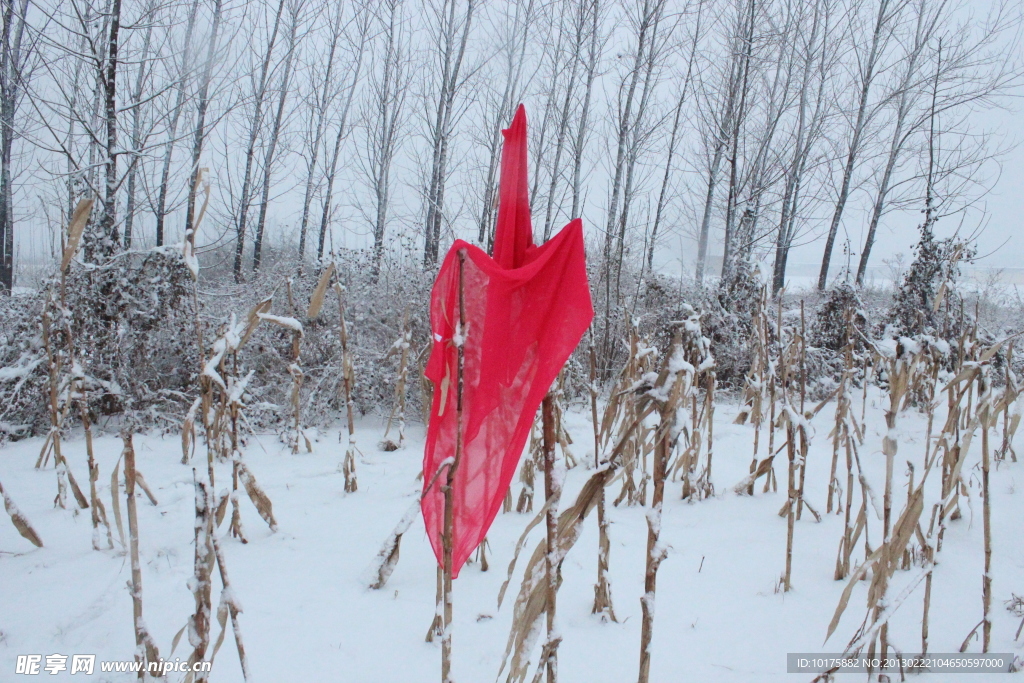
(295, 370)
(19, 520)
(347, 382)
(791, 420)
(145, 649)
(602, 587)
(620, 411)
(674, 386)
(99, 512)
(200, 583)
(910, 369)
(660, 394)
(397, 417)
(531, 601)
(693, 464)
(1010, 407)
(208, 555)
(845, 436)
(58, 401)
(226, 398)
(755, 392)
(228, 606)
(528, 471)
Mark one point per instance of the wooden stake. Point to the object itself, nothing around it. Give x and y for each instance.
(602, 589)
(145, 650)
(349, 465)
(552, 491)
(804, 445)
(449, 506)
(662, 448)
(99, 513)
(987, 418)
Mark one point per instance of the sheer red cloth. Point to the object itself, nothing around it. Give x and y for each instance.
(525, 311)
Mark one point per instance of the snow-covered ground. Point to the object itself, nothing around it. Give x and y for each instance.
(308, 615)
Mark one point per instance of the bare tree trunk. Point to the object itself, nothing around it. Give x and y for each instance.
(717, 143)
(562, 127)
(866, 80)
(734, 136)
(384, 120)
(107, 237)
(137, 106)
(323, 99)
(808, 131)
(649, 16)
(363, 22)
(663, 193)
(902, 128)
(639, 136)
(11, 61)
(184, 72)
(629, 140)
(593, 56)
(275, 135)
(200, 130)
(255, 125)
(451, 50)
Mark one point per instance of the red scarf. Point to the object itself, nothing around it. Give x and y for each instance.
(526, 309)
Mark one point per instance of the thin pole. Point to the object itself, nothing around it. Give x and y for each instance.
(449, 509)
(551, 491)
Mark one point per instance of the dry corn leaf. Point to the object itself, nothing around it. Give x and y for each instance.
(141, 481)
(188, 431)
(257, 496)
(222, 509)
(206, 198)
(254, 319)
(76, 227)
(387, 557)
(316, 302)
(21, 522)
(939, 296)
(848, 591)
(115, 495)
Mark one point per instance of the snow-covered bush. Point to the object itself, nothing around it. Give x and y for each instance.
(927, 300)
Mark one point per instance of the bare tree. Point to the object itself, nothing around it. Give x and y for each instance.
(723, 101)
(12, 62)
(324, 92)
(450, 33)
(674, 138)
(514, 25)
(362, 24)
(592, 57)
(199, 136)
(887, 14)
(295, 8)
(183, 74)
(385, 118)
(969, 70)
(736, 126)
(813, 54)
(255, 126)
(634, 128)
(142, 76)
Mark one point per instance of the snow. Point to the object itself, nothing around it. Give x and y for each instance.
(24, 367)
(284, 321)
(309, 616)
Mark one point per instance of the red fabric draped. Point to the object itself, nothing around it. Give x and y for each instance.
(526, 309)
